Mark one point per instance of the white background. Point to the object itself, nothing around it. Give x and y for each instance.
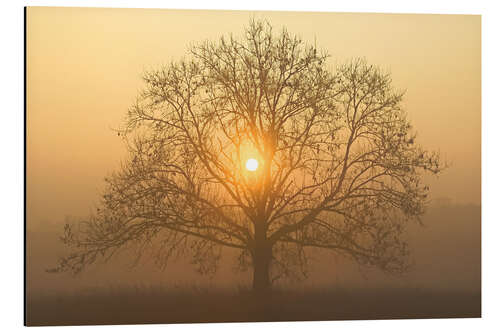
(12, 158)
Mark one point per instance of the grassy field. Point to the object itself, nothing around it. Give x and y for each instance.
(157, 305)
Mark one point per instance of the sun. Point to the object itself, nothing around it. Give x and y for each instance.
(252, 164)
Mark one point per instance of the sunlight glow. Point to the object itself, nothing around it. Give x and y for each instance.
(252, 164)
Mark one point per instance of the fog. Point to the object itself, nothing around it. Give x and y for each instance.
(84, 69)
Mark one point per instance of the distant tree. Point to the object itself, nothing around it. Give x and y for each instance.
(338, 166)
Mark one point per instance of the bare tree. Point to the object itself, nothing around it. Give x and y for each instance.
(338, 166)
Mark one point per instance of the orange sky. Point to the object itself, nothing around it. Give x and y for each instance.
(84, 69)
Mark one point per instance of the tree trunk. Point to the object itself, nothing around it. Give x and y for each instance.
(261, 263)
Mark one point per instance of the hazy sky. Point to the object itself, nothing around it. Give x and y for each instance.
(84, 68)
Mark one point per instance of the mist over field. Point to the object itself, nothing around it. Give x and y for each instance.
(445, 281)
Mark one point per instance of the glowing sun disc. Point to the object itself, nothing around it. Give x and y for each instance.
(252, 164)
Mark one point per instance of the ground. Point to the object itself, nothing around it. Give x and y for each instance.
(148, 306)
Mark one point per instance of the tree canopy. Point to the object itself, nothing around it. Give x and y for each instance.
(338, 163)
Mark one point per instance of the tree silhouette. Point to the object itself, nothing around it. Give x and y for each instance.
(338, 166)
